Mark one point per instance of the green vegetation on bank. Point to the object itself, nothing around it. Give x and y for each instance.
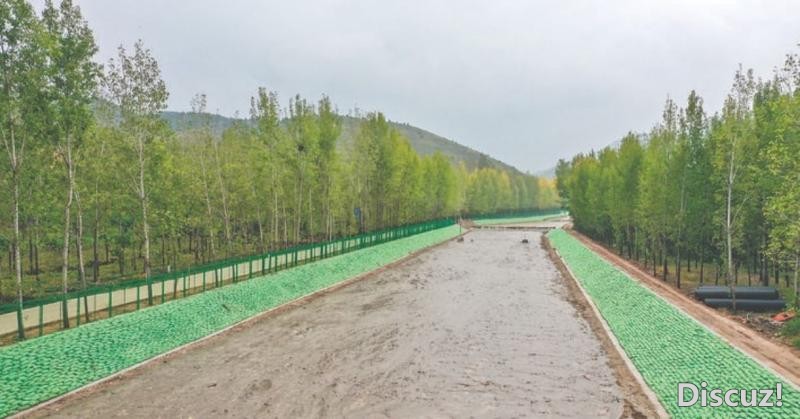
(517, 219)
(665, 345)
(96, 185)
(709, 199)
(39, 369)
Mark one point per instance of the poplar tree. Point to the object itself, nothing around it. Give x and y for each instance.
(22, 84)
(135, 86)
(72, 80)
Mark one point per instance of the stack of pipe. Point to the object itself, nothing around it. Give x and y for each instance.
(747, 298)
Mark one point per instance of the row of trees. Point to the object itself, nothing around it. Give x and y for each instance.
(90, 163)
(722, 190)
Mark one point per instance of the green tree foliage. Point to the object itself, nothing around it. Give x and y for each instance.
(697, 190)
(72, 79)
(133, 83)
(22, 106)
(86, 145)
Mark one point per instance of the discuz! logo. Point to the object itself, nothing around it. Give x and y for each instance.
(690, 394)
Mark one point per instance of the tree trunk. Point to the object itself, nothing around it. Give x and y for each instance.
(689, 261)
(96, 233)
(655, 262)
(299, 214)
(796, 270)
(223, 192)
(260, 223)
(79, 245)
(95, 256)
(30, 251)
(65, 252)
(310, 215)
(274, 203)
(702, 262)
(678, 265)
(209, 210)
(37, 268)
(15, 245)
(145, 226)
(729, 230)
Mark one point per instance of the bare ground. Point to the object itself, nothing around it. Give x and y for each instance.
(485, 327)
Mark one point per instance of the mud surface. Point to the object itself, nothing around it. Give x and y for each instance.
(479, 328)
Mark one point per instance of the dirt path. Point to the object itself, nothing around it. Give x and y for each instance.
(480, 328)
(780, 358)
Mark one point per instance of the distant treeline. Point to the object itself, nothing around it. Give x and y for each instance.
(722, 190)
(90, 164)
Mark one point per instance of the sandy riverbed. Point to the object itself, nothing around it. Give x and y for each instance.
(479, 328)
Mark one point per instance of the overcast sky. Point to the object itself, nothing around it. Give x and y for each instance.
(525, 81)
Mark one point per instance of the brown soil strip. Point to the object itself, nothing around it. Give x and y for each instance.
(782, 359)
(637, 404)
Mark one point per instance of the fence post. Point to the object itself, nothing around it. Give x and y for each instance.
(109, 302)
(149, 291)
(20, 325)
(41, 319)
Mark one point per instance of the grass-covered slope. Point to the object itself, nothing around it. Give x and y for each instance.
(40, 369)
(665, 345)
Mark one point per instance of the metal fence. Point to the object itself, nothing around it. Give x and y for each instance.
(43, 315)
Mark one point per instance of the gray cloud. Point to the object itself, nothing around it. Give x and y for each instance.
(525, 81)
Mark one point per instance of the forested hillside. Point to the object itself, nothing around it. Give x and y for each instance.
(95, 185)
(423, 142)
(713, 197)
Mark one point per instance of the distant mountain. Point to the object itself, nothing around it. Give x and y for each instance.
(424, 142)
(181, 121)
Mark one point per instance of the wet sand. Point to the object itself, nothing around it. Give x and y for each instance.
(479, 328)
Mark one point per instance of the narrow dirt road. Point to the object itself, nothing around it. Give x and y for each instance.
(479, 328)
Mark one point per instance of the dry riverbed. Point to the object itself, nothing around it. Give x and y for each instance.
(479, 328)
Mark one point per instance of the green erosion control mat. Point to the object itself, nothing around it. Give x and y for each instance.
(517, 220)
(665, 345)
(39, 369)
